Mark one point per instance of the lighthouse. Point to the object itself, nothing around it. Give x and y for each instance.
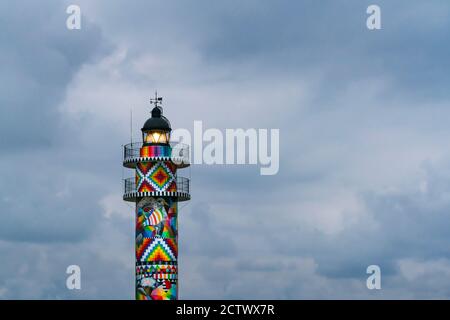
(156, 189)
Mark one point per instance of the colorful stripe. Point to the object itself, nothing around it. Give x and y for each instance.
(156, 151)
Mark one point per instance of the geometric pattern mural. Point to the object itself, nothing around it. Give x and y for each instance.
(156, 247)
(157, 270)
(156, 281)
(156, 176)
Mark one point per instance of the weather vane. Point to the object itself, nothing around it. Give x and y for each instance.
(156, 100)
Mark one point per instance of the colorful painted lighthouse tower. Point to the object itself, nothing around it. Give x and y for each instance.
(156, 190)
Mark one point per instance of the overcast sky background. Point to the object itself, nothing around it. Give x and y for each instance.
(364, 145)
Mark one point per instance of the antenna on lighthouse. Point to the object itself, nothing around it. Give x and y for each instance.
(131, 125)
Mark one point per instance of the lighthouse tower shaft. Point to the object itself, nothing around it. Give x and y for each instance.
(156, 190)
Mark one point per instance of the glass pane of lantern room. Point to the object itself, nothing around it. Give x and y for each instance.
(156, 136)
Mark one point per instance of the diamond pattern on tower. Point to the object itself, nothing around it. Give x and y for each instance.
(158, 176)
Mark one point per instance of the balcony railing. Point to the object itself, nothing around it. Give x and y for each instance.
(182, 187)
(130, 185)
(179, 151)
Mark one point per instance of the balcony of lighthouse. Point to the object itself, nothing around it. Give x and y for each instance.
(178, 153)
(182, 190)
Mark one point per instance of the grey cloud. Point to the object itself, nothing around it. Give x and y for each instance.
(202, 233)
(39, 272)
(42, 191)
(40, 57)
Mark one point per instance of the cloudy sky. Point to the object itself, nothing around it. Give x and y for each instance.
(364, 145)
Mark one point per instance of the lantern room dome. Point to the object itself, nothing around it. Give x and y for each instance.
(157, 121)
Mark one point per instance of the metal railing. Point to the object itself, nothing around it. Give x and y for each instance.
(182, 185)
(178, 150)
(129, 185)
(131, 150)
